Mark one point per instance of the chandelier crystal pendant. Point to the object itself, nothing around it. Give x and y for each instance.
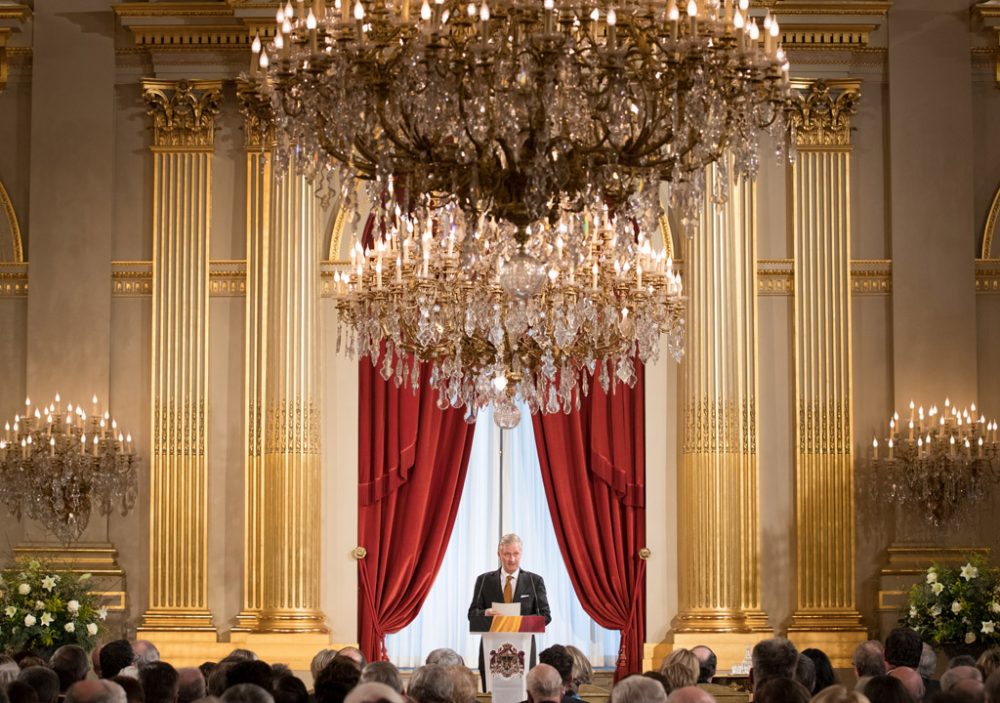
(514, 153)
(56, 462)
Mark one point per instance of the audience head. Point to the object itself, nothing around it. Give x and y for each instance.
(336, 680)
(928, 662)
(773, 658)
(839, 694)
(290, 689)
(825, 675)
(384, 673)
(707, 663)
(20, 692)
(869, 659)
(43, 680)
(677, 675)
(690, 694)
(432, 683)
(466, 684)
(583, 672)
(992, 688)
(8, 670)
(805, 672)
(659, 678)
(241, 655)
(988, 662)
(354, 654)
(903, 647)
(246, 693)
(71, 664)
(561, 660)
(145, 653)
(544, 684)
(190, 684)
(780, 690)
(445, 657)
(95, 660)
(115, 656)
(133, 689)
(216, 681)
(255, 672)
(159, 681)
(101, 691)
(969, 690)
(373, 692)
(686, 659)
(319, 662)
(953, 676)
(638, 689)
(911, 681)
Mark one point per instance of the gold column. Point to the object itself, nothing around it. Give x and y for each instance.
(826, 614)
(719, 591)
(259, 143)
(183, 115)
(291, 472)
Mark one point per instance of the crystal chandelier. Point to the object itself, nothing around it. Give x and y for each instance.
(56, 462)
(941, 463)
(514, 153)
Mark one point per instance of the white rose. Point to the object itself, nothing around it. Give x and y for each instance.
(29, 620)
(937, 588)
(70, 627)
(970, 637)
(931, 577)
(956, 607)
(39, 605)
(91, 628)
(10, 611)
(73, 607)
(24, 589)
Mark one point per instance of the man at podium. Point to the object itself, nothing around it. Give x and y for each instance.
(509, 584)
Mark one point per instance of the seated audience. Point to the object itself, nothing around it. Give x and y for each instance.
(290, 689)
(690, 694)
(115, 656)
(676, 675)
(780, 690)
(773, 658)
(839, 694)
(190, 684)
(637, 689)
(241, 655)
(133, 689)
(95, 661)
(71, 664)
(373, 692)
(355, 655)
(583, 672)
(903, 648)
(431, 683)
(320, 660)
(911, 681)
(805, 672)
(100, 691)
(928, 662)
(992, 688)
(159, 681)
(8, 670)
(43, 680)
(384, 673)
(887, 689)
(336, 680)
(20, 692)
(544, 684)
(659, 678)
(145, 653)
(216, 681)
(559, 658)
(246, 693)
(445, 657)
(955, 675)
(988, 662)
(825, 675)
(707, 663)
(250, 671)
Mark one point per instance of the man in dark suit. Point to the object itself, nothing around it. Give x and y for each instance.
(509, 584)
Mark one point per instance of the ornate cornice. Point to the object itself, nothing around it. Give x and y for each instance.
(822, 110)
(826, 36)
(11, 14)
(988, 276)
(183, 112)
(872, 8)
(258, 117)
(988, 12)
(14, 280)
(172, 9)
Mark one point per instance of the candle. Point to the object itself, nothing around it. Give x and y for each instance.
(875, 448)
(891, 445)
(52, 447)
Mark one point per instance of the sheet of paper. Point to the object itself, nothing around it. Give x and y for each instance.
(507, 608)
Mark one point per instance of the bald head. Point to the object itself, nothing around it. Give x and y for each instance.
(544, 683)
(98, 691)
(911, 681)
(690, 694)
(956, 675)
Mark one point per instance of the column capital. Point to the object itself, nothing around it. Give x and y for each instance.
(821, 111)
(183, 111)
(258, 117)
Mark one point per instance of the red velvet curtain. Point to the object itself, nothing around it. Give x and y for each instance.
(594, 469)
(412, 462)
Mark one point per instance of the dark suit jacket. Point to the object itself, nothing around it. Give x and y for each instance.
(530, 593)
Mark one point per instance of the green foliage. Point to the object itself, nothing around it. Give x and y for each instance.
(42, 607)
(957, 604)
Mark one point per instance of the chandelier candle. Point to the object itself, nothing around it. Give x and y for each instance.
(510, 148)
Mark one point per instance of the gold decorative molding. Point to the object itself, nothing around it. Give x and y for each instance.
(13, 280)
(988, 12)
(10, 13)
(992, 218)
(172, 9)
(871, 276)
(872, 8)
(227, 278)
(822, 110)
(826, 36)
(16, 248)
(183, 112)
(258, 123)
(775, 277)
(988, 276)
(198, 36)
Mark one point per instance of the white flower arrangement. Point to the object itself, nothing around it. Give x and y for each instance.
(954, 605)
(46, 608)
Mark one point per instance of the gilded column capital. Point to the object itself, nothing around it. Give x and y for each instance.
(258, 117)
(183, 112)
(821, 111)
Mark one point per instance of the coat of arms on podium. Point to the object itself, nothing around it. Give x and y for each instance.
(506, 660)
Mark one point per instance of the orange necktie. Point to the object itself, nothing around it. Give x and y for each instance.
(508, 592)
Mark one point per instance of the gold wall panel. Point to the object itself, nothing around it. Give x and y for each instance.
(183, 116)
(824, 478)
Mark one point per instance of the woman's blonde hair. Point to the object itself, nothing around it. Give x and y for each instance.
(686, 658)
(583, 672)
(988, 662)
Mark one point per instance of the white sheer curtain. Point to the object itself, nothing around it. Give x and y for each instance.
(443, 621)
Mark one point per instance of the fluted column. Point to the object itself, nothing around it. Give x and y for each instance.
(717, 493)
(291, 472)
(183, 115)
(259, 143)
(824, 479)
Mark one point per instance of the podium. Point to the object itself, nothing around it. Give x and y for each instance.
(506, 646)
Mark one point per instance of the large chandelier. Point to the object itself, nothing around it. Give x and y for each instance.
(514, 153)
(56, 462)
(939, 463)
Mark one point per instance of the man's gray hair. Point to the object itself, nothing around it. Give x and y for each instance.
(869, 659)
(445, 656)
(774, 658)
(319, 662)
(432, 683)
(246, 693)
(98, 691)
(510, 538)
(544, 683)
(145, 653)
(959, 673)
(373, 692)
(638, 689)
(383, 672)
